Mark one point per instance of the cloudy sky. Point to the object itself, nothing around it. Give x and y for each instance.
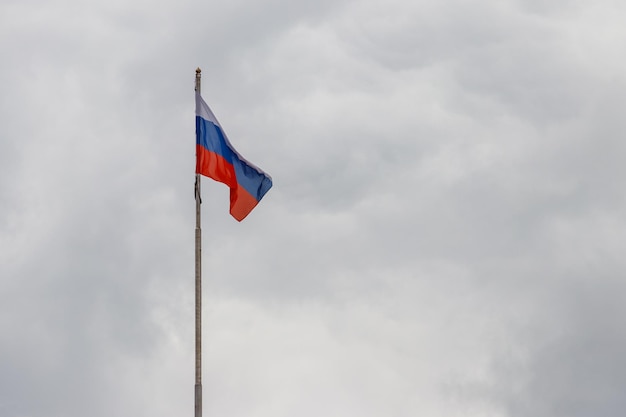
(445, 235)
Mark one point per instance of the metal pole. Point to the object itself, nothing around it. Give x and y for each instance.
(198, 385)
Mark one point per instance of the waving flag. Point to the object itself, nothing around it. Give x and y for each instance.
(216, 158)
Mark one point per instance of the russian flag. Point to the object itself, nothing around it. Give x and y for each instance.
(216, 158)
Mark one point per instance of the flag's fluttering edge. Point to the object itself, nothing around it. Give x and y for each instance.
(216, 158)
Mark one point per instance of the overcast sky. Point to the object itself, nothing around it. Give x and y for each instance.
(445, 235)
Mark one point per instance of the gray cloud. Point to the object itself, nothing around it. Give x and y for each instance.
(443, 238)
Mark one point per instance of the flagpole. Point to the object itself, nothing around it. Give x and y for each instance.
(198, 384)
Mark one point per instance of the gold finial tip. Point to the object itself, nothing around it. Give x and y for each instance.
(198, 70)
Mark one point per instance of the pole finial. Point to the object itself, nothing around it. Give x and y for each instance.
(198, 75)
